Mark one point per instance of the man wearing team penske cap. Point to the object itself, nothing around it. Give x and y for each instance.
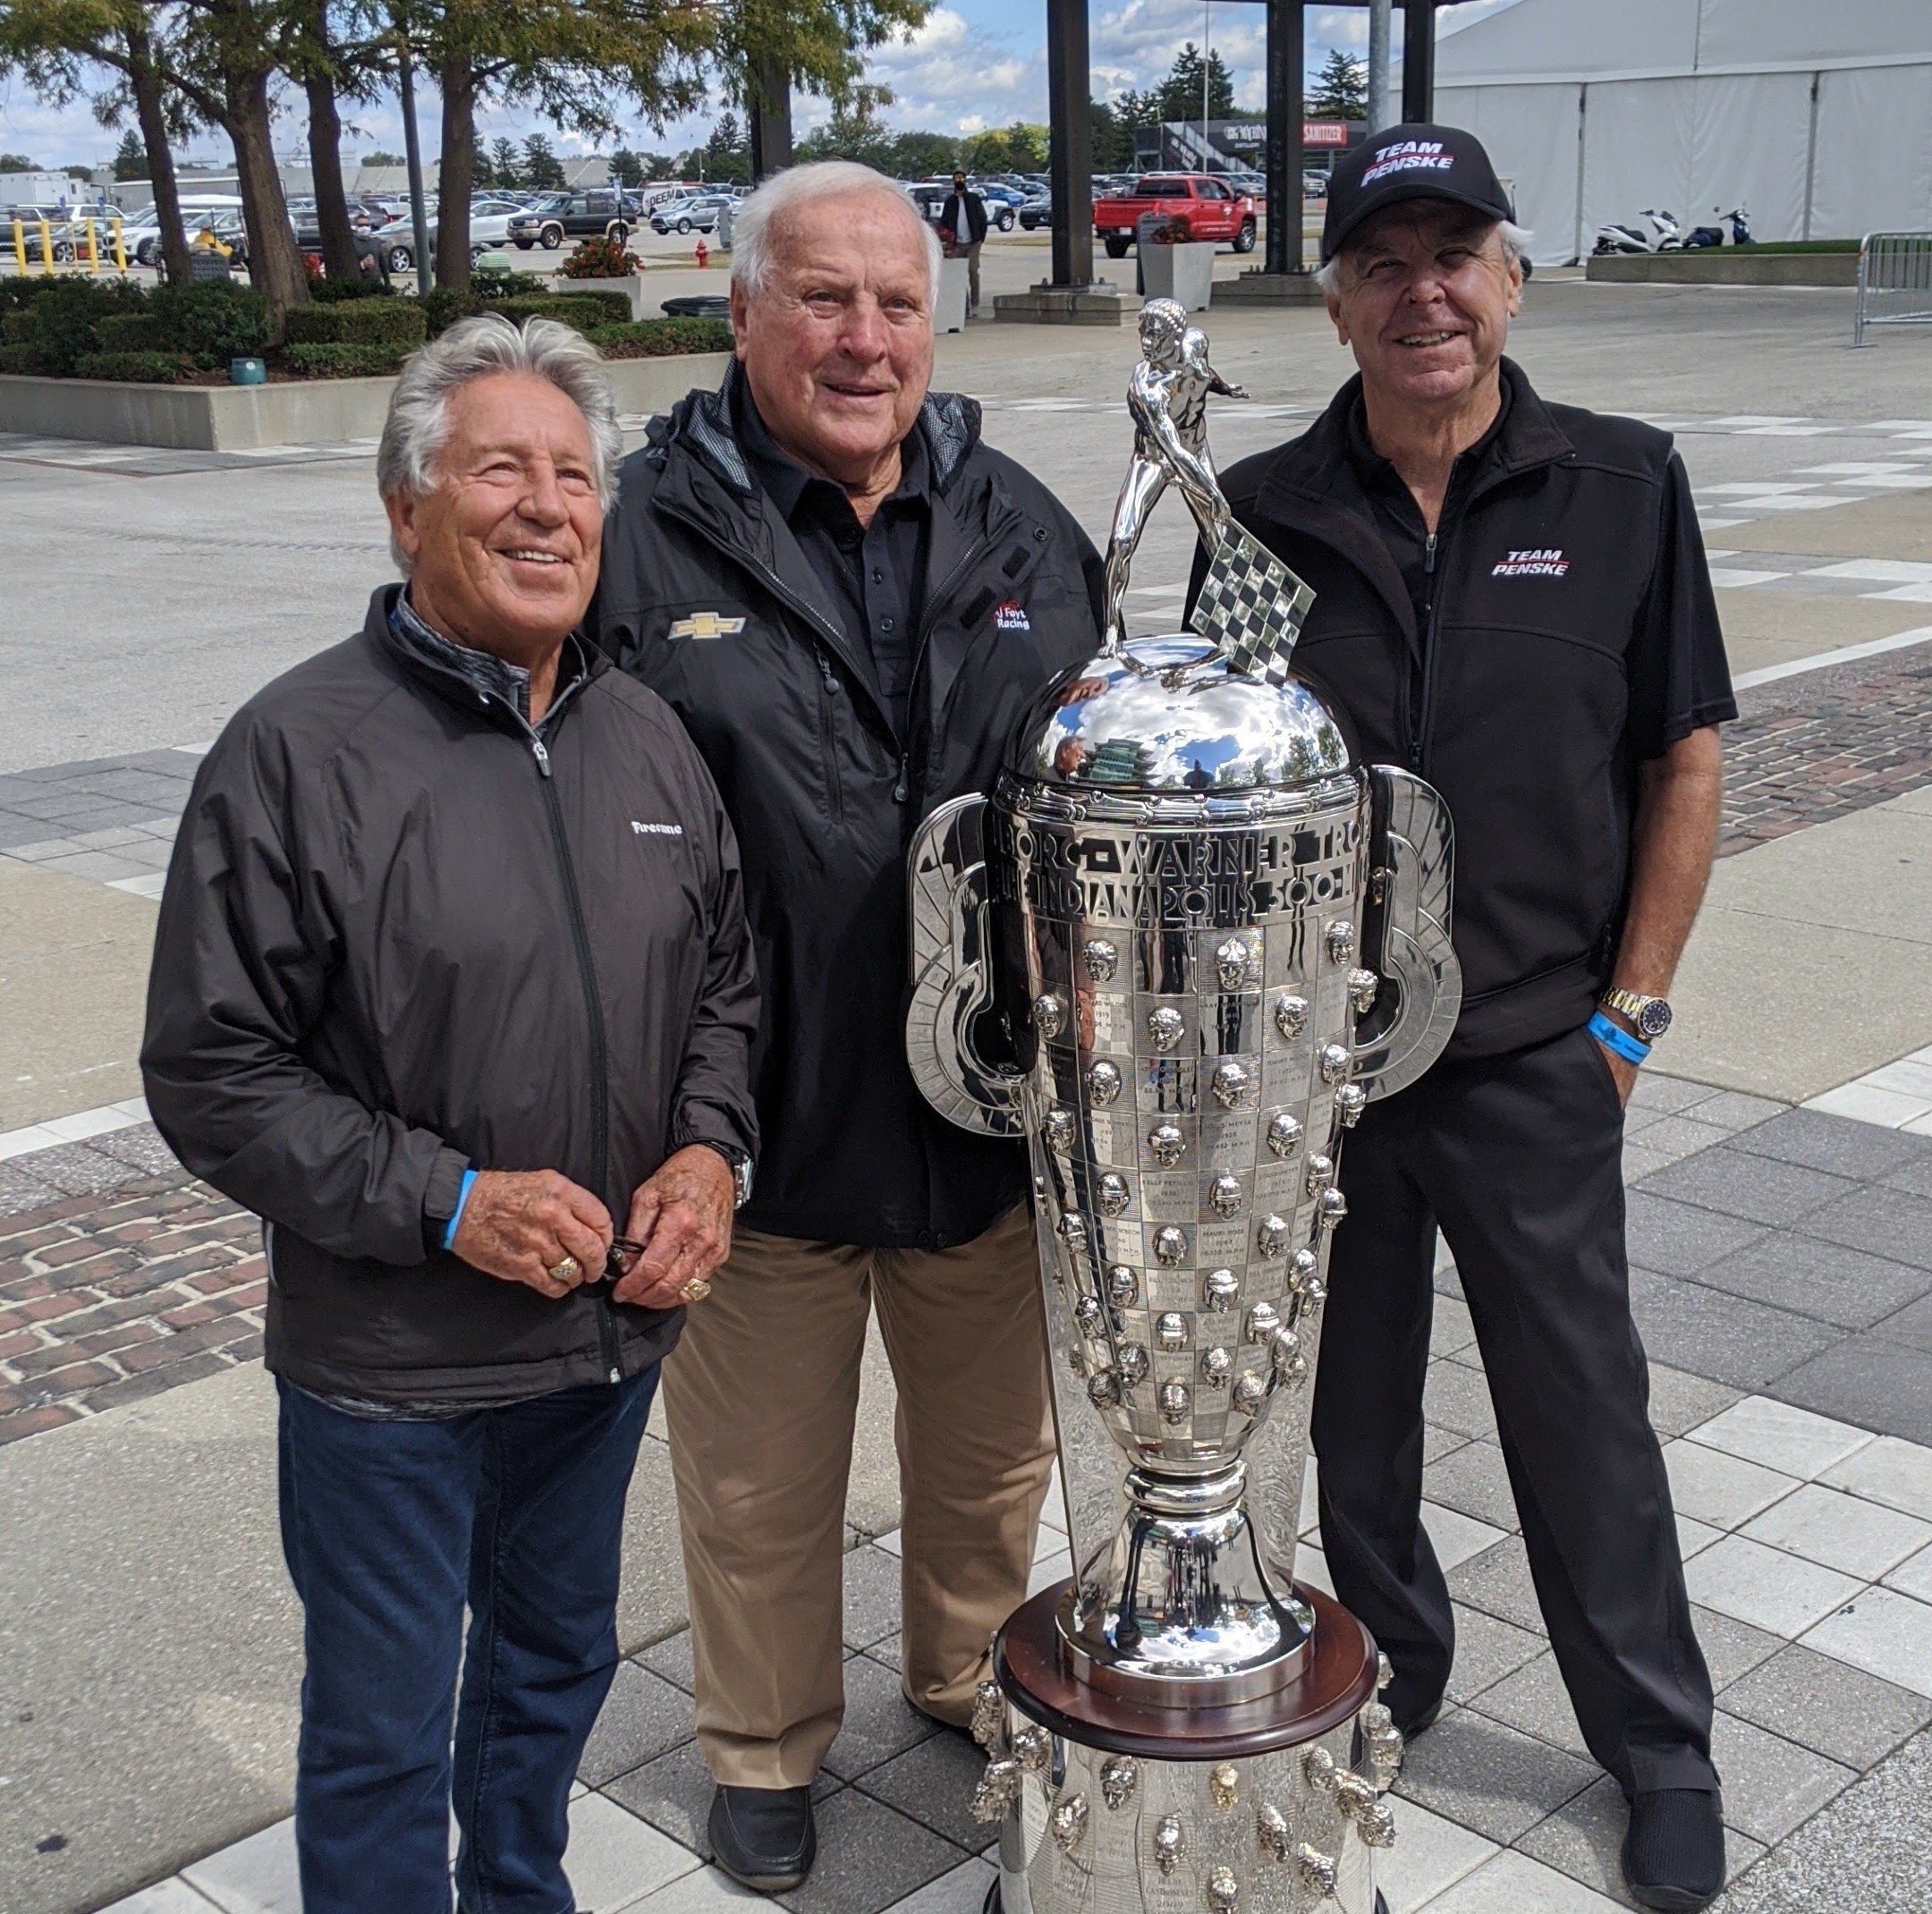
(1512, 600)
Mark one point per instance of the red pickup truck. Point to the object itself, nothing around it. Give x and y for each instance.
(1210, 208)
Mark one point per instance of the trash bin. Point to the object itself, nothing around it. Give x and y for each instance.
(204, 263)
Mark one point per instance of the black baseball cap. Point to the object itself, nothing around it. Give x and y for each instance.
(1412, 162)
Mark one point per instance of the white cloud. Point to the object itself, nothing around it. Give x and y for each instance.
(953, 75)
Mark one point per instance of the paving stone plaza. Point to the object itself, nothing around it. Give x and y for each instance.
(1778, 1159)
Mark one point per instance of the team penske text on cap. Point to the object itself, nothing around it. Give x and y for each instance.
(1414, 162)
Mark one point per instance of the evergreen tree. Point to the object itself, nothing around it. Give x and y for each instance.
(131, 157)
(626, 169)
(542, 170)
(1180, 94)
(505, 165)
(1341, 89)
(380, 158)
(18, 163)
(727, 153)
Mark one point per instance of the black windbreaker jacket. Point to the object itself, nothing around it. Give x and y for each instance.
(399, 941)
(1574, 633)
(706, 597)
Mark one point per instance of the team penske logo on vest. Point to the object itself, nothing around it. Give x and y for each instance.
(1011, 616)
(1409, 156)
(1549, 563)
(706, 624)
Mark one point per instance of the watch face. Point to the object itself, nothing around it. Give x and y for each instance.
(1653, 1020)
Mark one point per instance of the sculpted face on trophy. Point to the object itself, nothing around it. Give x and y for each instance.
(1178, 950)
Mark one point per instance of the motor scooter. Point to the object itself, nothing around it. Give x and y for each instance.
(1666, 234)
(1741, 233)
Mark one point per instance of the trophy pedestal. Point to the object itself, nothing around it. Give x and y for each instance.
(1270, 1806)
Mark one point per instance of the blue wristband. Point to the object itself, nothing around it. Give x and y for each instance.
(462, 1197)
(1614, 1036)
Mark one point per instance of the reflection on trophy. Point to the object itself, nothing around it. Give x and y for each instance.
(1178, 949)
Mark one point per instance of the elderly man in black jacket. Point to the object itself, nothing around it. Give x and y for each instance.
(452, 972)
(1512, 599)
(849, 600)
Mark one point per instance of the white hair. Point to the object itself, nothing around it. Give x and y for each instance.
(1515, 243)
(800, 186)
(419, 421)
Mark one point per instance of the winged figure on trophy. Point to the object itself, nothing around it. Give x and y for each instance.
(1179, 948)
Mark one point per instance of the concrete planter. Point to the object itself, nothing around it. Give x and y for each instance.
(312, 412)
(1724, 266)
(1182, 272)
(631, 286)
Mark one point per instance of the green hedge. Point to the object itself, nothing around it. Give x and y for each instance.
(213, 321)
(130, 332)
(18, 358)
(581, 310)
(359, 322)
(335, 362)
(660, 338)
(145, 369)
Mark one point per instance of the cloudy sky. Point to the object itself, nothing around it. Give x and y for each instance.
(974, 63)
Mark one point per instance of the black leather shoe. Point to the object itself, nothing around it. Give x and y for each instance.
(764, 1837)
(1673, 1856)
(1421, 1723)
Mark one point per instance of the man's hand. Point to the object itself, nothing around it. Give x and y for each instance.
(682, 1216)
(519, 1224)
(1623, 1074)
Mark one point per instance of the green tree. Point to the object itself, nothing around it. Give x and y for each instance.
(626, 169)
(131, 157)
(1341, 89)
(541, 166)
(916, 155)
(505, 166)
(59, 47)
(18, 163)
(1113, 138)
(380, 158)
(1180, 94)
(727, 153)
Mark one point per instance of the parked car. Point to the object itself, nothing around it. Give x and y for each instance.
(489, 230)
(1211, 209)
(696, 214)
(1037, 211)
(599, 210)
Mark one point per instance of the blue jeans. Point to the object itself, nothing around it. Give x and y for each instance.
(388, 1529)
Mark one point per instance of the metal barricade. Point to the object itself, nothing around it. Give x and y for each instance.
(1895, 282)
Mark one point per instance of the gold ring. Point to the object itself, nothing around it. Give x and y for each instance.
(695, 1291)
(567, 1271)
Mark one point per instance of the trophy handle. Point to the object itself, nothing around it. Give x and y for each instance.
(1405, 933)
(950, 921)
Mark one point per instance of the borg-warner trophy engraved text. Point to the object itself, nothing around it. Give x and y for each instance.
(1181, 947)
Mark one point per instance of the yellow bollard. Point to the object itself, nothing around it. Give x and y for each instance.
(120, 248)
(47, 248)
(93, 246)
(19, 247)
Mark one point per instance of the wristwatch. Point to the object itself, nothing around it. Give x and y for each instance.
(1651, 1015)
(741, 1168)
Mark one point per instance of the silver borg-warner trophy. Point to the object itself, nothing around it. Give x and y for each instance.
(1209, 936)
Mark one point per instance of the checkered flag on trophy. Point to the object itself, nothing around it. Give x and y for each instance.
(1251, 605)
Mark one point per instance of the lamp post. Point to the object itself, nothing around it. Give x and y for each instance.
(412, 152)
(1207, 69)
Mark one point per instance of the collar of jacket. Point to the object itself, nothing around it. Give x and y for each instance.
(704, 480)
(420, 663)
(1312, 482)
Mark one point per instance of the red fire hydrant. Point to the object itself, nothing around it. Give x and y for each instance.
(703, 257)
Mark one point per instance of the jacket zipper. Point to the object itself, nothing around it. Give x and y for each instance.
(828, 735)
(902, 789)
(1419, 731)
(600, 1060)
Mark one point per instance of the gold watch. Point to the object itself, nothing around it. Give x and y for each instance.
(1651, 1015)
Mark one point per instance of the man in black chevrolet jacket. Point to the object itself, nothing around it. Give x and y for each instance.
(452, 974)
(849, 600)
(1512, 600)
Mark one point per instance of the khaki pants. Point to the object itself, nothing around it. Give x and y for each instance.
(972, 274)
(761, 1395)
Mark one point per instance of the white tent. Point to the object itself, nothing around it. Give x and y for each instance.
(1817, 118)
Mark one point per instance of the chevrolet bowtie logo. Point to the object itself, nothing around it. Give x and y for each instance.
(706, 624)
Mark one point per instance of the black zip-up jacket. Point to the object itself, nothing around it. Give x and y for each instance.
(404, 936)
(1572, 633)
(976, 216)
(706, 597)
